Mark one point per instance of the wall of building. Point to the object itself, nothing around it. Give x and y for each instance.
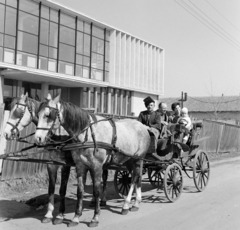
(135, 64)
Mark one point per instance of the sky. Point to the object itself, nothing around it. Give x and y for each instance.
(201, 39)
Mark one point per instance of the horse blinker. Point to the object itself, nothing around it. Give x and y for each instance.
(18, 112)
(53, 114)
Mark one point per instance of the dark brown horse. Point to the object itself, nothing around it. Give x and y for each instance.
(131, 141)
(24, 110)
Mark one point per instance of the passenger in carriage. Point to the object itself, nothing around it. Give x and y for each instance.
(176, 113)
(162, 110)
(150, 118)
(186, 121)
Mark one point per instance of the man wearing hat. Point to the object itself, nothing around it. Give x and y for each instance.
(150, 118)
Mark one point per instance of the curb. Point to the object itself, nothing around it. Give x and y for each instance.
(226, 160)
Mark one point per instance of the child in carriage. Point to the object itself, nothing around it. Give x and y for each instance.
(185, 120)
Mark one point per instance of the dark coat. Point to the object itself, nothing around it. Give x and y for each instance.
(150, 119)
(166, 116)
(174, 119)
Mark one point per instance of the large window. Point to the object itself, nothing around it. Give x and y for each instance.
(38, 36)
(48, 39)
(27, 37)
(83, 49)
(97, 63)
(8, 28)
(66, 44)
(2, 16)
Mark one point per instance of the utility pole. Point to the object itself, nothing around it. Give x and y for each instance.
(183, 98)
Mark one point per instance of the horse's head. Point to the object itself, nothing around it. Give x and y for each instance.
(20, 116)
(50, 117)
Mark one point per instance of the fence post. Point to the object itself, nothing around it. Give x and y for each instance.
(220, 137)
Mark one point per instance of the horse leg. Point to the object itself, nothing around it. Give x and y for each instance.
(96, 193)
(138, 183)
(81, 171)
(136, 180)
(103, 202)
(52, 174)
(92, 203)
(62, 191)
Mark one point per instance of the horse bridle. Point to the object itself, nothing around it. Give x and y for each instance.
(19, 113)
(53, 116)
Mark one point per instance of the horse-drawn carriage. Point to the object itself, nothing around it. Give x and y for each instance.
(98, 143)
(166, 161)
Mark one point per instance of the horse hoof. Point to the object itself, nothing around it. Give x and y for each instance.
(93, 224)
(134, 209)
(103, 203)
(72, 224)
(125, 211)
(57, 221)
(46, 220)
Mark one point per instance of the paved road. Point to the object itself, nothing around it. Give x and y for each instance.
(217, 208)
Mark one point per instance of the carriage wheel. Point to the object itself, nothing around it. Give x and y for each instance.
(122, 182)
(201, 170)
(155, 177)
(173, 182)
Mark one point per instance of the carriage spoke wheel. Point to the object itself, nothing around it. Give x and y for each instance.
(122, 182)
(155, 177)
(173, 182)
(201, 170)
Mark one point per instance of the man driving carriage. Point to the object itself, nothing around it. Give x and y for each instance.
(150, 118)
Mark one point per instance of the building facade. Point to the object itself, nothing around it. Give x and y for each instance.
(46, 47)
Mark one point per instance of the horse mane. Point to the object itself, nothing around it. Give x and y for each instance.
(75, 118)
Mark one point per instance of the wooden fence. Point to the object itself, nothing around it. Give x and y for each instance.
(223, 137)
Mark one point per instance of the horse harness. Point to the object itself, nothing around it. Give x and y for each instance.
(55, 114)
